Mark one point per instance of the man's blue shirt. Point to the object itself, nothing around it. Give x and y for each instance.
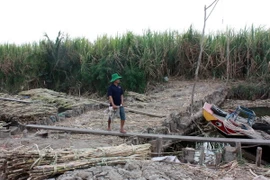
(115, 92)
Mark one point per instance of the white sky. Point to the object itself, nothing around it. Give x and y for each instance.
(26, 21)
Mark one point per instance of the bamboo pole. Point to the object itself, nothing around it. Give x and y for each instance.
(146, 135)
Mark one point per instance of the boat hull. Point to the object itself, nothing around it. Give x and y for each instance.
(218, 122)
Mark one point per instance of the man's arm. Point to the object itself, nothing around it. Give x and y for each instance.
(122, 99)
(111, 101)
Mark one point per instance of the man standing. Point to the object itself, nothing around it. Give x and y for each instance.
(116, 99)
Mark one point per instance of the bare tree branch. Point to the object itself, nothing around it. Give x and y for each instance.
(212, 4)
(212, 8)
(200, 54)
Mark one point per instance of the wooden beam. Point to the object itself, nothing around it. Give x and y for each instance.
(259, 156)
(132, 110)
(159, 143)
(218, 156)
(153, 136)
(202, 155)
(144, 113)
(239, 149)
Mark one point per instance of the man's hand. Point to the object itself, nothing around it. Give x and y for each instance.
(114, 106)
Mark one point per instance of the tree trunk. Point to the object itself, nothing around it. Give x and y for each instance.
(228, 59)
(199, 61)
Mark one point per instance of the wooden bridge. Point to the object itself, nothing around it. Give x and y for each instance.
(160, 137)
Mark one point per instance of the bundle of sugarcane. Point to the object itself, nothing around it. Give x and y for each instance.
(41, 164)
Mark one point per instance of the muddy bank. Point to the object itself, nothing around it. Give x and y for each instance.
(183, 122)
(231, 104)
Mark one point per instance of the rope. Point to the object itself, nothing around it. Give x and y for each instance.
(38, 159)
(56, 157)
(55, 169)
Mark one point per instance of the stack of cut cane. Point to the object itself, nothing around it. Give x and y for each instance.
(37, 164)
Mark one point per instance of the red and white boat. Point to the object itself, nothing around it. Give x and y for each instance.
(236, 123)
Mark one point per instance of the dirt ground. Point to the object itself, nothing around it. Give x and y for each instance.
(149, 170)
(173, 96)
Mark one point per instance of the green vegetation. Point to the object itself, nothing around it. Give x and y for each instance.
(251, 90)
(78, 66)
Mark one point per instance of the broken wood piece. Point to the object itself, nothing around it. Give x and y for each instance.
(137, 96)
(188, 155)
(229, 153)
(42, 133)
(135, 140)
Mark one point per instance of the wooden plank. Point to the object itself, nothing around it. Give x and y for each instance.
(132, 110)
(144, 113)
(16, 100)
(144, 135)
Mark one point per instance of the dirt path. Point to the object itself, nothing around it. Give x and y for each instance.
(171, 97)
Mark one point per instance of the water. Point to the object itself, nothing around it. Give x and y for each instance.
(261, 111)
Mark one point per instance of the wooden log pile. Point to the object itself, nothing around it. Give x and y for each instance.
(35, 164)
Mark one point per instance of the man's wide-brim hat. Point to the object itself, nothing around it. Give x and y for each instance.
(115, 76)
